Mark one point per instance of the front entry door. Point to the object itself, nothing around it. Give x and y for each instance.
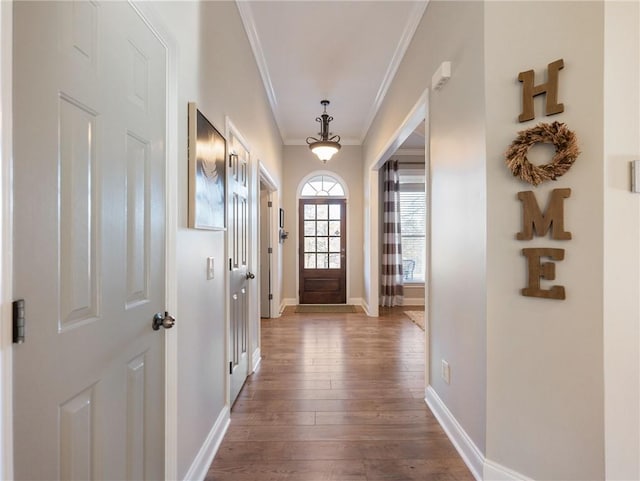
(323, 260)
(239, 275)
(89, 230)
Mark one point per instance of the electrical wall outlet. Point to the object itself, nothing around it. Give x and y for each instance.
(446, 372)
(210, 271)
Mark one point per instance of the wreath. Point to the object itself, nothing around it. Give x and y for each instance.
(563, 139)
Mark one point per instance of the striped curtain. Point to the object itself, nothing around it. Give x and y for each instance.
(392, 286)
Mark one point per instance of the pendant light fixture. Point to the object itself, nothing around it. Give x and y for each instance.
(327, 144)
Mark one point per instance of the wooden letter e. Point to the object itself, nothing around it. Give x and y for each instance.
(546, 270)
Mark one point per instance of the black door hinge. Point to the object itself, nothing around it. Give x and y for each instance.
(18, 321)
(271, 297)
(230, 367)
(269, 204)
(230, 268)
(269, 250)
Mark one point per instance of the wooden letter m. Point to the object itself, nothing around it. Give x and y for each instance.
(533, 220)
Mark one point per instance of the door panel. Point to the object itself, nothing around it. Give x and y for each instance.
(322, 268)
(238, 187)
(78, 220)
(89, 126)
(265, 251)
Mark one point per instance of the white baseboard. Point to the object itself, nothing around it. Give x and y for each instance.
(495, 472)
(256, 358)
(287, 301)
(413, 301)
(202, 461)
(483, 469)
(356, 301)
(471, 455)
(367, 309)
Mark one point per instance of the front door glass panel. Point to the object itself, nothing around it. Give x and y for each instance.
(322, 236)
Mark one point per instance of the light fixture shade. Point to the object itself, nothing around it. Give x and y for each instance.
(324, 149)
(328, 144)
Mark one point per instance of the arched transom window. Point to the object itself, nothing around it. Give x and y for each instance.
(322, 186)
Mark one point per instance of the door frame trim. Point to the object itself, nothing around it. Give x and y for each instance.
(6, 239)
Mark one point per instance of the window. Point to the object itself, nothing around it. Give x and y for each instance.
(322, 186)
(413, 211)
(323, 240)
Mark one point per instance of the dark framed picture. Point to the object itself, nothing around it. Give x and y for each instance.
(282, 218)
(207, 174)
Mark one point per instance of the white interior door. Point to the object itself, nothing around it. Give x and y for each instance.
(266, 251)
(239, 275)
(89, 140)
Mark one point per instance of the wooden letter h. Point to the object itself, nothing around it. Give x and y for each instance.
(550, 88)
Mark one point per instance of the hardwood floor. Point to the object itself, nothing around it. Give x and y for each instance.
(337, 397)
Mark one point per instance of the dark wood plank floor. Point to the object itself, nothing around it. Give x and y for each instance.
(337, 397)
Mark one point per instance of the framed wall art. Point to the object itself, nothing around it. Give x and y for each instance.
(207, 173)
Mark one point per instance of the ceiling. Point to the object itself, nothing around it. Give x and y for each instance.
(344, 51)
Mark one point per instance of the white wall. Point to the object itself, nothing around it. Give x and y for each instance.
(299, 162)
(449, 31)
(218, 71)
(544, 363)
(621, 241)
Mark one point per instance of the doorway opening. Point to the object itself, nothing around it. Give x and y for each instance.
(410, 215)
(268, 247)
(411, 138)
(322, 240)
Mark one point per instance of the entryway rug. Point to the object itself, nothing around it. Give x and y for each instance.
(417, 317)
(325, 309)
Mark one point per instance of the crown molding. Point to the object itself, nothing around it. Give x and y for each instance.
(246, 15)
(405, 40)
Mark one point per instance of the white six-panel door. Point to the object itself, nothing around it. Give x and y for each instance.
(239, 275)
(89, 161)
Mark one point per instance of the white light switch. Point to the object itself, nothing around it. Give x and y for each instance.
(446, 372)
(210, 271)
